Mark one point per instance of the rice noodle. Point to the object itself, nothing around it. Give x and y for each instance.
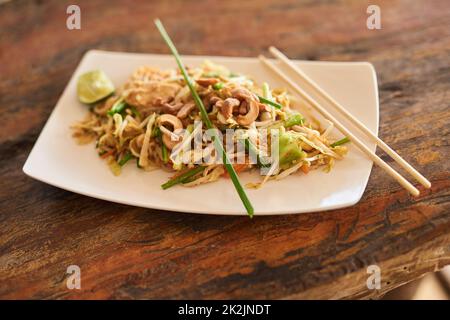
(289, 171)
(143, 157)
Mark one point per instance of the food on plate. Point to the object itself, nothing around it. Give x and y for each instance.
(153, 121)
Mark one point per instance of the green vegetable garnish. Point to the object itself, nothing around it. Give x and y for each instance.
(165, 156)
(339, 142)
(267, 101)
(135, 112)
(251, 149)
(217, 86)
(293, 120)
(183, 177)
(289, 150)
(117, 107)
(125, 159)
(164, 153)
(155, 132)
(218, 144)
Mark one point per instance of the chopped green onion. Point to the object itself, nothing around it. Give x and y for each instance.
(233, 75)
(251, 149)
(164, 153)
(155, 132)
(117, 107)
(135, 112)
(339, 142)
(183, 177)
(158, 134)
(217, 86)
(267, 101)
(125, 159)
(293, 120)
(188, 180)
(218, 144)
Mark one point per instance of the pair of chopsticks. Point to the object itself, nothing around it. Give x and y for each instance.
(358, 143)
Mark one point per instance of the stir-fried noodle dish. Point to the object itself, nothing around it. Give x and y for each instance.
(153, 122)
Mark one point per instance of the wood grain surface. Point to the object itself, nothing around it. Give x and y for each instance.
(127, 252)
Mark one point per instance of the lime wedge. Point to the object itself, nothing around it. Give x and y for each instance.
(93, 86)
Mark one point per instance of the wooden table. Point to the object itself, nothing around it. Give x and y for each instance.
(127, 252)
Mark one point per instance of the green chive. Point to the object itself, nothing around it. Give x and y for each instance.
(251, 149)
(125, 159)
(155, 132)
(339, 142)
(135, 112)
(158, 134)
(117, 107)
(218, 144)
(183, 177)
(217, 86)
(164, 153)
(267, 101)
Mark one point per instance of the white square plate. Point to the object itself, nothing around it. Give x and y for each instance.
(56, 159)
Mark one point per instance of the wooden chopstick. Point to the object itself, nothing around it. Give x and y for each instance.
(394, 155)
(400, 179)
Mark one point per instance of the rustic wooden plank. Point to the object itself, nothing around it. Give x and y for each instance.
(127, 252)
